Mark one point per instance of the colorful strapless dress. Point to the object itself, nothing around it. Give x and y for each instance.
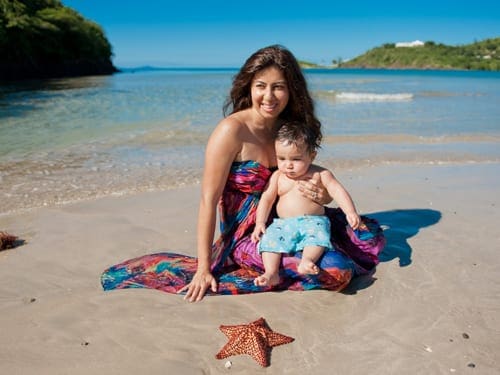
(236, 260)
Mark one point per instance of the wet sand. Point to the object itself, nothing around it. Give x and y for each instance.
(430, 308)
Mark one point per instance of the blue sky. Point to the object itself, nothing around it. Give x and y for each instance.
(217, 33)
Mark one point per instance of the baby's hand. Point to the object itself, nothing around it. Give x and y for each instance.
(259, 229)
(353, 219)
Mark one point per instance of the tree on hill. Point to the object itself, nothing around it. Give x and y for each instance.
(483, 55)
(43, 38)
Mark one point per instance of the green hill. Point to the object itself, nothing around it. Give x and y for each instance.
(43, 38)
(483, 55)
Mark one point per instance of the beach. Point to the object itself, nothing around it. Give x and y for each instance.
(431, 307)
(98, 170)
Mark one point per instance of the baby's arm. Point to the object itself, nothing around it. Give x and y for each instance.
(265, 204)
(341, 196)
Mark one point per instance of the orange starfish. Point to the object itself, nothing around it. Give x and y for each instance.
(255, 339)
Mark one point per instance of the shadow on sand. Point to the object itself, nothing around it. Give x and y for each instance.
(398, 225)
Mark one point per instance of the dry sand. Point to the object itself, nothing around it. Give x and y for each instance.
(432, 307)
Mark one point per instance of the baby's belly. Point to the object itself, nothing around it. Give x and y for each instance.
(298, 207)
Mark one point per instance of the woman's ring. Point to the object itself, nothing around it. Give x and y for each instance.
(315, 195)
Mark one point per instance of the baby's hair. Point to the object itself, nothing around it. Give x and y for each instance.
(295, 133)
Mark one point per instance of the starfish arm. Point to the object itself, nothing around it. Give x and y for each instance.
(236, 345)
(275, 339)
(260, 350)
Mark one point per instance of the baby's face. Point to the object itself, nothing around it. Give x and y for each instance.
(293, 161)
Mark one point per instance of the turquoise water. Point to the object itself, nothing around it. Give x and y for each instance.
(69, 139)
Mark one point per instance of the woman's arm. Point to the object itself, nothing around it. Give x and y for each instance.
(222, 148)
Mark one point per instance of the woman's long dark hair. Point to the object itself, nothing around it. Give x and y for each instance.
(300, 105)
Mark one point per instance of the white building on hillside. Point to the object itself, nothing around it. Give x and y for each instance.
(415, 43)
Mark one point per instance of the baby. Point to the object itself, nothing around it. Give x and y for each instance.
(301, 224)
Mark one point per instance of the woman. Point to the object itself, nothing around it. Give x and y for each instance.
(239, 160)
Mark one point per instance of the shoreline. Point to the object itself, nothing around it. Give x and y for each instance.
(58, 186)
(431, 304)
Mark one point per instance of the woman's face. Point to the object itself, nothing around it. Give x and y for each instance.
(269, 92)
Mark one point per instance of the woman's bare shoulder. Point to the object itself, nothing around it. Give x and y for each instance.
(233, 124)
(228, 137)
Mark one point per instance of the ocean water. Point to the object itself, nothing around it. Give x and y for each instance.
(65, 140)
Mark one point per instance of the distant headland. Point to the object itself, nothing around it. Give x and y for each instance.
(482, 55)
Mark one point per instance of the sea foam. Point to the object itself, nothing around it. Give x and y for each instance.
(372, 97)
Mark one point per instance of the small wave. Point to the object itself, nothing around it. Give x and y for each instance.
(371, 97)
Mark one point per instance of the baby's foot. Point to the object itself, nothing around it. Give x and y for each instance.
(307, 267)
(266, 279)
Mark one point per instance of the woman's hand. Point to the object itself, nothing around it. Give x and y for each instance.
(197, 288)
(314, 190)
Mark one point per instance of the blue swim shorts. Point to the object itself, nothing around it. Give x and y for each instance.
(292, 234)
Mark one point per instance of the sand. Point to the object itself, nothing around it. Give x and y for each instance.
(432, 306)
